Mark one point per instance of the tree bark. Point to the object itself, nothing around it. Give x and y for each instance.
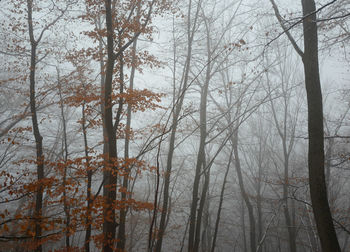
(245, 249)
(318, 189)
(88, 219)
(252, 231)
(66, 207)
(178, 102)
(316, 159)
(202, 202)
(192, 241)
(36, 131)
(88, 192)
(123, 211)
(194, 230)
(259, 203)
(217, 222)
(109, 174)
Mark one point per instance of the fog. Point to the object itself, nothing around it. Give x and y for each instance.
(186, 125)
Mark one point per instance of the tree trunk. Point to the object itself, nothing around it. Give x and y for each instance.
(259, 212)
(109, 174)
(318, 189)
(88, 218)
(199, 166)
(245, 249)
(290, 227)
(259, 196)
(121, 231)
(36, 132)
(329, 154)
(66, 207)
(194, 237)
(217, 222)
(245, 196)
(207, 235)
(201, 207)
(178, 102)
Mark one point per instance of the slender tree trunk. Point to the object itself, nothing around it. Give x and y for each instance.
(88, 219)
(217, 222)
(66, 207)
(199, 167)
(318, 189)
(290, 227)
(202, 201)
(252, 231)
(259, 208)
(178, 102)
(184, 235)
(329, 154)
(259, 196)
(286, 148)
(103, 117)
(102, 86)
(194, 204)
(121, 231)
(109, 174)
(207, 235)
(245, 249)
(36, 132)
(193, 240)
(196, 216)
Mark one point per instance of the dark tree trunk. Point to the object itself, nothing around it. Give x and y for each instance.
(88, 218)
(109, 174)
(36, 132)
(316, 159)
(192, 241)
(123, 211)
(245, 249)
(318, 189)
(196, 216)
(90, 200)
(178, 102)
(218, 215)
(202, 201)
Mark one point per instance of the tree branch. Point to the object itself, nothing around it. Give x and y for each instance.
(287, 29)
(333, 18)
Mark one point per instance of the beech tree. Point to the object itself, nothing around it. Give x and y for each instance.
(178, 101)
(318, 188)
(111, 124)
(286, 126)
(153, 125)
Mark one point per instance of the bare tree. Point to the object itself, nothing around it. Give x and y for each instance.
(33, 108)
(178, 101)
(286, 127)
(318, 188)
